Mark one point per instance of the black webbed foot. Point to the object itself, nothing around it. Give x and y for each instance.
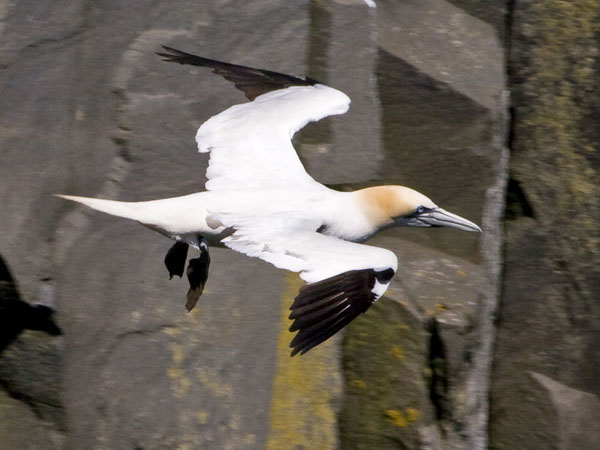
(175, 259)
(197, 273)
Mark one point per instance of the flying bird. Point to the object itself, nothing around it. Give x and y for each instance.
(260, 201)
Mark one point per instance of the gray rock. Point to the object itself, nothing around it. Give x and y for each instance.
(577, 414)
(88, 109)
(550, 310)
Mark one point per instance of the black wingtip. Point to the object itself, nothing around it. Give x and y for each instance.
(251, 81)
(168, 57)
(322, 309)
(172, 52)
(175, 55)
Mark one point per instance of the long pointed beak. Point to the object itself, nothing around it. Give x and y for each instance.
(438, 217)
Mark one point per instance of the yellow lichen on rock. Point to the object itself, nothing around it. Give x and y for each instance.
(397, 417)
(412, 415)
(305, 388)
(209, 378)
(358, 383)
(180, 383)
(402, 419)
(398, 352)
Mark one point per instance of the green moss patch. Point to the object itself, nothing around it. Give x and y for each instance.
(383, 354)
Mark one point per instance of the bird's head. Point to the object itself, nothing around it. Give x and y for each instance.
(403, 206)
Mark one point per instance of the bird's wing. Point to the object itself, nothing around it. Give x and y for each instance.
(252, 82)
(250, 144)
(344, 278)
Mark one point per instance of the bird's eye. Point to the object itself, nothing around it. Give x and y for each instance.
(420, 209)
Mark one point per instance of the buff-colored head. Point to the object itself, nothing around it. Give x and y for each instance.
(388, 202)
(403, 206)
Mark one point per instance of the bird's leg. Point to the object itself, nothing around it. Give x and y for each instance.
(197, 273)
(175, 259)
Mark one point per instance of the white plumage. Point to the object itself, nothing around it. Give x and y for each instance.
(250, 144)
(261, 202)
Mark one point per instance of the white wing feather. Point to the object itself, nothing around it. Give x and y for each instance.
(285, 243)
(250, 144)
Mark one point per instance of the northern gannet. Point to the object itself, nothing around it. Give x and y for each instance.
(261, 202)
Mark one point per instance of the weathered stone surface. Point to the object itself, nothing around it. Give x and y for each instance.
(88, 109)
(21, 428)
(164, 378)
(30, 371)
(447, 44)
(548, 324)
(351, 72)
(577, 414)
(386, 400)
(443, 129)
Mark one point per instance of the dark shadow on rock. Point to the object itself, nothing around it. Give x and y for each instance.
(29, 361)
(17, 315)
(517, 204)
(438, 366)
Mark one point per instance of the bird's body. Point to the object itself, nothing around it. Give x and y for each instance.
(351, 216)
(261, 202)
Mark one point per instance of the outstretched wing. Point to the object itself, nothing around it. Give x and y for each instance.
(344, 278)
(252, 82)
(250, 144)
(323, 308)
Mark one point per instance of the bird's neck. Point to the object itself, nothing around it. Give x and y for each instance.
(356, 216)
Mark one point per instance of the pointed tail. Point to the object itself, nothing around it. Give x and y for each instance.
(128, 210)
(175, 216)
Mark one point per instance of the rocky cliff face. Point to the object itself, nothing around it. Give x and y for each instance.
(547, 364)
(458, 354)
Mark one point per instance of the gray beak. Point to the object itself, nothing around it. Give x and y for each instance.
(438, 217)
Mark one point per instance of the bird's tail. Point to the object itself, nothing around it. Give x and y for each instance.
(176, 216)
(127, 210)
